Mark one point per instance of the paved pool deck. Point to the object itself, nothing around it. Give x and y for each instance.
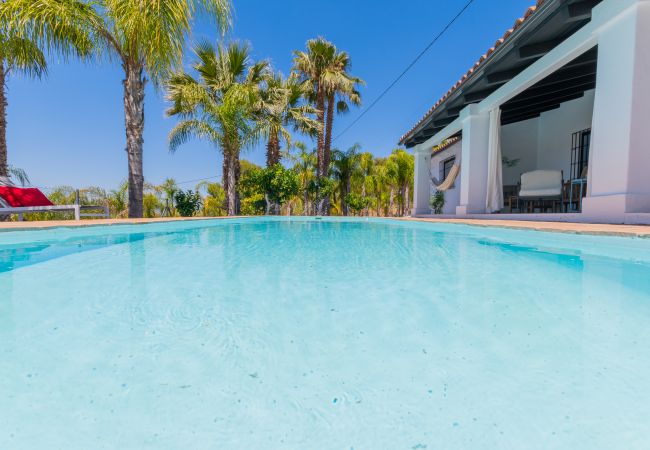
(43, 224)
(559, 227)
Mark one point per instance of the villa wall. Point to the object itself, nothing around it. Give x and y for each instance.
(452, 196)
(519, 141)
(540, 143)
(556, 128)
(545, 142)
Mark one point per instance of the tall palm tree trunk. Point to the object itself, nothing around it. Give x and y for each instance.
(407, 201)
(329, 123)
(322, 205)
(134, 83)
(366, 210)
(273, 150)
(3, 122)
(231, 181)
(305, 202)
(225, 170)
(327, 148)
(345, 190)
(321, 170)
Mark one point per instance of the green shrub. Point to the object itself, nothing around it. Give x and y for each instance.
(438, 202)
(356, 202)
(188, 202)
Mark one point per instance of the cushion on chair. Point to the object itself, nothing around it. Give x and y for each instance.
(539, 193)
(20, 197)
(541, 183)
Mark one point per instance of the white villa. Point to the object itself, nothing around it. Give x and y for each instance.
(552, 123)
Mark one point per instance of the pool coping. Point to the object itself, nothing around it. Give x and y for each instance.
(642, 231)
(597, 229)
(49, 224)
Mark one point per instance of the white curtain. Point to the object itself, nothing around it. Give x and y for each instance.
(494, 200)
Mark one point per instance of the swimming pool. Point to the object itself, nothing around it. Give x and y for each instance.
(330, 334)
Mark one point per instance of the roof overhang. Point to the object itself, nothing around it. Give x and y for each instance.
(542, 29)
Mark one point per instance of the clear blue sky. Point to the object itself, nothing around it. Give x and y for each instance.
(68, 128)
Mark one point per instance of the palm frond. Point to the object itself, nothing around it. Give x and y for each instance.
(23, 55)
(186, 130)
(65, 27)
(18, 174)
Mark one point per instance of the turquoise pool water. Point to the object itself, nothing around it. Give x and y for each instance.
(332, 334)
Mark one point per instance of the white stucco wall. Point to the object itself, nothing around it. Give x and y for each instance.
(556, 128)
(519, 141)
(452, 196)
(545, 142)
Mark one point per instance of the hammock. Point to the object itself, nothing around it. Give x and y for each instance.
(449, 181)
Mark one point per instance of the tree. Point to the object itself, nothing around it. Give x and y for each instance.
(146, 37)
(168, 189)
(325, 69)
(311, 67)
(356, 203)
(188, 202)
(252, 197)
(341, 90)
(23, 44)
(276, 183)
(366, 170)
(344, 166)
(118, 202)
(280, 106)
(305, 166)
(214, 200)
(218, 107)
(400, 168)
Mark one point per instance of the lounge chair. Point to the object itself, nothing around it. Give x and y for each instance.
(16, 200)
(541, 185)
(448, 182)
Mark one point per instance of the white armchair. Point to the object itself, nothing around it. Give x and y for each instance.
(540, 185)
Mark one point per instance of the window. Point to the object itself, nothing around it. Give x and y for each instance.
(585, 141)
(446, 166)
(581, 141)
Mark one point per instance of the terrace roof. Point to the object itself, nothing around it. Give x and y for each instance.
(542, 28)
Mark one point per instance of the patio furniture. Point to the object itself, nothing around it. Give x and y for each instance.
(575, 192)
(16, 200)
(541, 186)
(510, 197)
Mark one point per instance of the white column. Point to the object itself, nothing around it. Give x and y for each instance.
(422, 181)
(619, 163)
(474, 160)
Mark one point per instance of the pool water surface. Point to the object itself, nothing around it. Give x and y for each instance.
(323, 334)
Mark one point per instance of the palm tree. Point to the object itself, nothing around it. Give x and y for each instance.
(305, 163)
(325, 69)
(400, 168)
(218, 107)
(379, 183)
(367, 167)
(146, 37)
(341, 90)
(311, 67)
(280, 106)
(169, 187)
(23, 44)
(344, 166)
